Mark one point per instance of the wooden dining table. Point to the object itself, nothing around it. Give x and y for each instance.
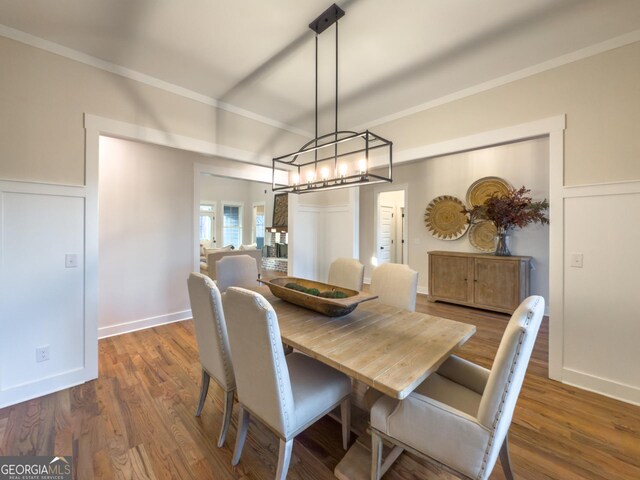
(387, 348)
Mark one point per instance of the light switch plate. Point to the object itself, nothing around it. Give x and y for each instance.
(71, 260)
(576, 260)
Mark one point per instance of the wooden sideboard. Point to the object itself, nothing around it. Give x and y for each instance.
(479, 280)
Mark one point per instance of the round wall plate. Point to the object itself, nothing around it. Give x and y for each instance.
(482, 235)
(483, 188)
(444, 218)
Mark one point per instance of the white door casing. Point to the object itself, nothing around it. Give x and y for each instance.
(386, 233)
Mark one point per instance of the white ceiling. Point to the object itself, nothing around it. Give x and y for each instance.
(258, 55)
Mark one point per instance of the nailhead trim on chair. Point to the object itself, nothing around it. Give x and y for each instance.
(505, 392)
(278, 367)
(230, 379)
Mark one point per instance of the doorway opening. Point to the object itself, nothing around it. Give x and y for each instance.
(391, 227)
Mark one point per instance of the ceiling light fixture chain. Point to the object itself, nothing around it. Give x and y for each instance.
(349, 163)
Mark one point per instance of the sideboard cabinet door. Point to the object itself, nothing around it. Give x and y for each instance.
(449, 277)
(497, 284)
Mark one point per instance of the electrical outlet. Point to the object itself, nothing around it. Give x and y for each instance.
(71, 260)
(42, 354)
(576, 260)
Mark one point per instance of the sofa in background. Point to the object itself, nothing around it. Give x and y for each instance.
(212, 255)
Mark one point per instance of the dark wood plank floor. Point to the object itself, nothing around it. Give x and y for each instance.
(137, 420)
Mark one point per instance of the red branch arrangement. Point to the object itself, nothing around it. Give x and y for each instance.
(510, 210)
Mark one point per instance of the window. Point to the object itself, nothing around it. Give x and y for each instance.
(208, 224)
(231, 225)
(258, 224)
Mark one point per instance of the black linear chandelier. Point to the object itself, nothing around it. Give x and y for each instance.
(338, 159)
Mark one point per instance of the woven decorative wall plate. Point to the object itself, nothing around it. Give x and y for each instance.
(482, 235)
(444, 218)
(483, 188)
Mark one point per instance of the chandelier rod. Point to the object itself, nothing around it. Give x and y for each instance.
(335, 163)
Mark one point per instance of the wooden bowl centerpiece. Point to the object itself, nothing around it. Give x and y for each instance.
(320, 297)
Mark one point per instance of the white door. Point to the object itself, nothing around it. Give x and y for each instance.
(386, 233)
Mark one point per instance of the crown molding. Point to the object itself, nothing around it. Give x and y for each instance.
(611, 44)
(71, 54)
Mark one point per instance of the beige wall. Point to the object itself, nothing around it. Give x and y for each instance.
(600, 95)
(43, 98)
(522, 163)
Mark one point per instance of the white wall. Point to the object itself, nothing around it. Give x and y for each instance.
(146, 239)
(41, 301)
(323, 226)
(523, 163)
(601, 320)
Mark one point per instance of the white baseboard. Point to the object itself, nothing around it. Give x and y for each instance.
(132, 326)
(45, 386)
(602, 386)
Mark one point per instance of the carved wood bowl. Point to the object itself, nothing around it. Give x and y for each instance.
(331, 307)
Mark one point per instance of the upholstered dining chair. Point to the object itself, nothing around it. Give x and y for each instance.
(395, 284)
(236, 271)
(346, 273)
(213, 344)
(460, 415)
(287, 394)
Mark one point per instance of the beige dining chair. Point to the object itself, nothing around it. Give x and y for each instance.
(460, 415)
(346, 273)
(213, 344)
(236, 271)
(287, 394)
(396, 285)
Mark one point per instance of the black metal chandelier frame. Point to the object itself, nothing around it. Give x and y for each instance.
(365, 141)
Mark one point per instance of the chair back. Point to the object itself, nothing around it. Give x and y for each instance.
(396, 285)
(346, 273)
(507, 373)
(236, 271)
(262, 376)
(211, 330)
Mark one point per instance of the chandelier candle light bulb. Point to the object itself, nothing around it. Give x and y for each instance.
(324, 173)
(311, 175)
(343, 170)
(362, 166)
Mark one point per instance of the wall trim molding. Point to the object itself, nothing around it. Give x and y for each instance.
(599, 189)
(130, 131)
(75, 55)
(511, 134)
(143, 323)
(607, 45)
(89, 370)
(601, 386)
(41, 188)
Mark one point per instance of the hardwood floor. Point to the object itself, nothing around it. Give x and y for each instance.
(137, 420)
